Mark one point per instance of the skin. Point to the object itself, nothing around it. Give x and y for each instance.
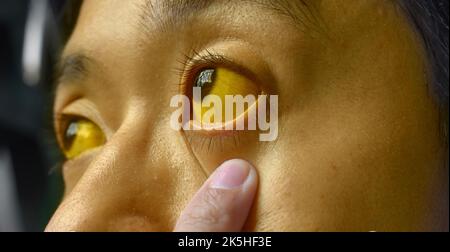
(357, 149)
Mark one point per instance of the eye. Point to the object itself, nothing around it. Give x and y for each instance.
(81, 135)
(221, 82)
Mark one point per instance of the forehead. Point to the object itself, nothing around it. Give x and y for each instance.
(309, 16)
(165, 15)
(103, 24)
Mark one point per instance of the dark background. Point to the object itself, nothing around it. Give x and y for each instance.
(30, 183)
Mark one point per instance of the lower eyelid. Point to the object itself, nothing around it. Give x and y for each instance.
(212, 151)
(213, 143)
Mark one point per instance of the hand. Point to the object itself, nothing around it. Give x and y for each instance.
(223, 202)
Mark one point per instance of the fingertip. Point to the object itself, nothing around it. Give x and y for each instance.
(231, 174)
(224, 201)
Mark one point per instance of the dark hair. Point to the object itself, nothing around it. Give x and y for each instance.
(430, 19)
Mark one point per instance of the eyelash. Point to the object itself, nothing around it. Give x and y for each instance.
(52, 133)
(61, 121)
(195, 62)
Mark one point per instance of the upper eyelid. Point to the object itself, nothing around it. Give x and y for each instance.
(236, 54)
(210, 59)
(196, 61)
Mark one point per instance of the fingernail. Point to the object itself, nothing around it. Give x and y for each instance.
(231, 174)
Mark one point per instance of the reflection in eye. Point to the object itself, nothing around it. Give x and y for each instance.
(221, 82)
(81, 135)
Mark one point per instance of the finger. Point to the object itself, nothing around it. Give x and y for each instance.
(223, 202)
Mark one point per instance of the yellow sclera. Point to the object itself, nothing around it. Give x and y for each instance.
(226, 82)
(81, 135)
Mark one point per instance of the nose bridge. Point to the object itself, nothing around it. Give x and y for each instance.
(128, 185)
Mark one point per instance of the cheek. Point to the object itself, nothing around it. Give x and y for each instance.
(358, 142)
(341, 165)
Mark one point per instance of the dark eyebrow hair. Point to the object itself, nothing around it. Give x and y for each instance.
(172, 13)
(72, 67)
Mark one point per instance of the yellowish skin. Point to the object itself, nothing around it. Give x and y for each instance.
(358, 146)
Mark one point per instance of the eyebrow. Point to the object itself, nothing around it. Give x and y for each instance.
(72, 67)
(172, 13)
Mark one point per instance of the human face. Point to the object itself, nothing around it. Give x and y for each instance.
(357, 147)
